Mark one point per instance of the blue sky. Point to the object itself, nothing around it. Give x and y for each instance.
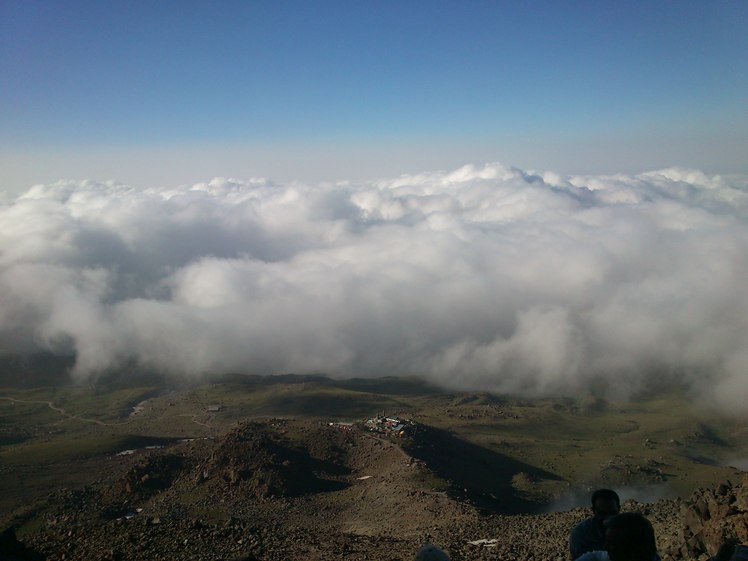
(181, 91)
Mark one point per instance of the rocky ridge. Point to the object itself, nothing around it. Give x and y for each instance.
(280, 489)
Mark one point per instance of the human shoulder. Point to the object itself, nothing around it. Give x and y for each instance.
(584, 525)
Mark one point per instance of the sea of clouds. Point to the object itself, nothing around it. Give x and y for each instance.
(485, 277)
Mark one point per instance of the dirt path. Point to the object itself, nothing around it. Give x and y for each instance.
(194, 419)
(388, 443)
(62, 412)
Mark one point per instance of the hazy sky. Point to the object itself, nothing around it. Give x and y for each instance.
(164, 93)
(278, 187)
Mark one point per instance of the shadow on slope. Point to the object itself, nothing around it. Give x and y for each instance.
(389, 385)
(486, 478)
(322, 404)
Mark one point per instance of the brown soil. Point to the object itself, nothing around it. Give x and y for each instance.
(282, 489)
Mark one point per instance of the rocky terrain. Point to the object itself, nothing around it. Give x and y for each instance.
(280, 489)
(711, 516)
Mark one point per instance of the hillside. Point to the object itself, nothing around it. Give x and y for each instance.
(260, 466)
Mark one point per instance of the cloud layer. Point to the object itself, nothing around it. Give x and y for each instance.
(480, 278)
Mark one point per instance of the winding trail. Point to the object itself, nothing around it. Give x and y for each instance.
(194, 419)
(64, 413)
(389, 444)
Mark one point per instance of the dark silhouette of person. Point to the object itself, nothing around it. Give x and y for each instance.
(13, 550)
(731, 550)
(628, 537)
(589, 535)
(430, 552)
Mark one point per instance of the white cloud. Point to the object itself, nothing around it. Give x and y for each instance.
(485, 277)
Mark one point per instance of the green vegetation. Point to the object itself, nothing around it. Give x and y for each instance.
(30, 526)
(579, 443)
(429, 481)
(66, 447)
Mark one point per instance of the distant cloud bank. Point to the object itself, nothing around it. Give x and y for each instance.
(481, 278)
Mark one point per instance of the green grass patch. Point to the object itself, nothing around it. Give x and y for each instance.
(68, 447)
(105, 406)
(30, 526)
(428, 480)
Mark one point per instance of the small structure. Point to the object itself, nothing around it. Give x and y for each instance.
(214, 408)
(389, 425)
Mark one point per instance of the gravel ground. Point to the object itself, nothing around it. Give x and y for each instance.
(283, 490)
